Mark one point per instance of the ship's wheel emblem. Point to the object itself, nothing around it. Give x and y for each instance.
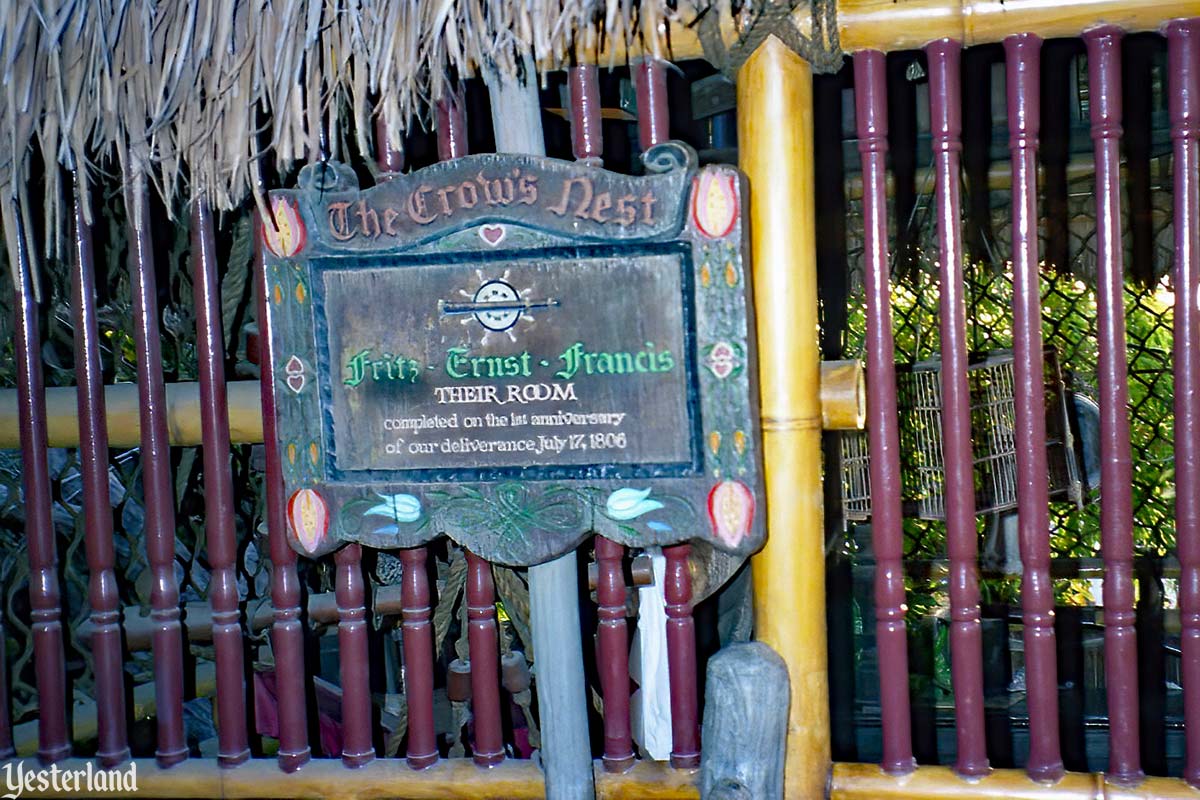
(496, 305)
(506, 311)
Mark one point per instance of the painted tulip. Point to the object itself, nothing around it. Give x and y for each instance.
(626, 504)
(714, 203)
(284, 233)
(400, 507)
(731, 511)
(309, 518)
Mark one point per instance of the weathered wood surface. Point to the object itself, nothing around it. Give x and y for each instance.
(554, 585)
(745, 724)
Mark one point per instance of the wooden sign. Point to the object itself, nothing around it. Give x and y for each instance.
(514, 351)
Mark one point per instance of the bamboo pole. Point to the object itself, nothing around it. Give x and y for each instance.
(449, 779)
(889, 25)
(124, 426)
(868, 782)
(460, 779)
(842, 408)
(775, 128)
(85, 721)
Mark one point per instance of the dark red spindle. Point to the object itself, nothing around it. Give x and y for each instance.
(650, 78)
(112, 738)
(1116, 470)
(1033, 511)
(232, 744)
(587, 136)
(681, 659)
(350, 590)
(612, 655)
(482, 633)
(390, 159)
(54, 743)
(156, 479)
(1183, 66)
(451, 127)
(653, 128)
(414, 588)
(418, 659)
(870, 95)
(482, 638)
(612, 637)
(966, 633)
(287, 633)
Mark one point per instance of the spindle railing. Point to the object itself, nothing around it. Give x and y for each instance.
(777, 159)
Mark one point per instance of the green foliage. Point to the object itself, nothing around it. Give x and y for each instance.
(1069, 325)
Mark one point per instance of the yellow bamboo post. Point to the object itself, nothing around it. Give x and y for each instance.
(775, 132)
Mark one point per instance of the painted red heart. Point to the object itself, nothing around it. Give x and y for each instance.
(492, 234)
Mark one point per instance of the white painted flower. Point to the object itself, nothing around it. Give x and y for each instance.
(630, 503)
(400, 507)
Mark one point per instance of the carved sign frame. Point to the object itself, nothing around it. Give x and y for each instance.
(433, 343)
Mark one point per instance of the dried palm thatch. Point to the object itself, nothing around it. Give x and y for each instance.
(193, 93)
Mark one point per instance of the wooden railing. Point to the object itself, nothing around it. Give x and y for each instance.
(776, 132)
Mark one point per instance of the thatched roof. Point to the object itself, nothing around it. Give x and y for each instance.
(191, 94)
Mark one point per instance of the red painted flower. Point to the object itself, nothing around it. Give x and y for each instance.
(714, 203)
(309, 517)
(731, 511)
(284, 233)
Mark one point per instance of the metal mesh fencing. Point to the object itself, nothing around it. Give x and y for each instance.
(1069, 328)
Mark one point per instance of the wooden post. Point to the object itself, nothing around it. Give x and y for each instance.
(612, 655)
(113, 740)
(1033, 512)
(966, 630)
(219, 531)
(1116, 463)
(745, 722)
(156, 477)
(887, 535)
(483, 641)
(418, 659)
(553, 586)
(357, 748)
(45, 601)
(1183, 56)
(775, 132)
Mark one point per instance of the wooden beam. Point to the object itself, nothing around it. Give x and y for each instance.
(868, 782)
(197, 617)
(449, 779)
(775, 128)
(911, 24)
(85, 721)
(124, 426)
(841, 407)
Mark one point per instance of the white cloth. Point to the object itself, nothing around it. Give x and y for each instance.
(651, 704)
